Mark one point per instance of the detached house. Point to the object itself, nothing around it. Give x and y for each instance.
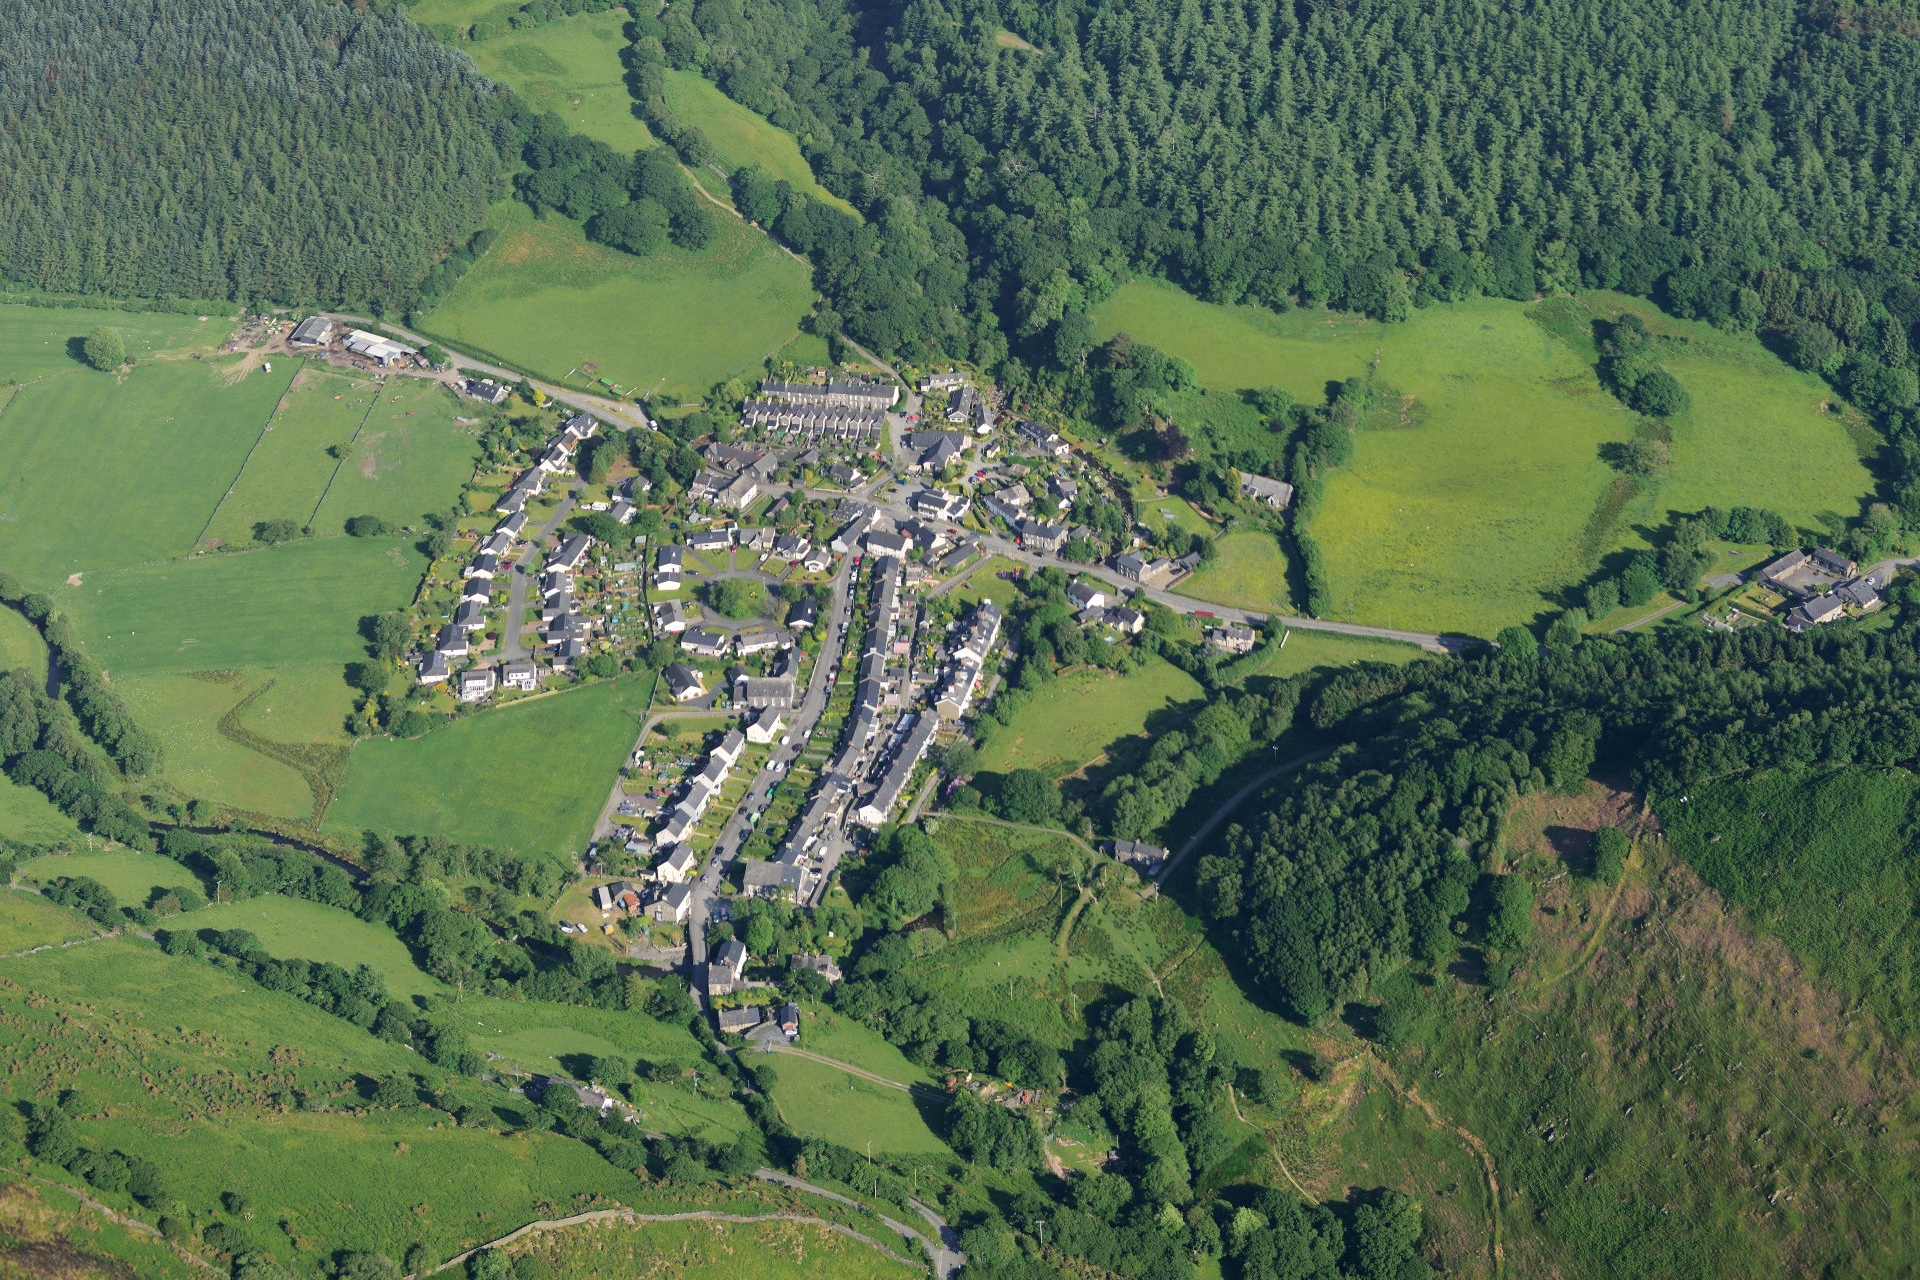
(1274, 493)
(478, 684)
(683, 682)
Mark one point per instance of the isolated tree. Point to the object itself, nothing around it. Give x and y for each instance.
(367, 527)
(1610, 849)
(105, 349)
(1660, 394)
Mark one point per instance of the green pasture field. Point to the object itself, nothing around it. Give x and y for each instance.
(1159, 514)
(34, 340)
(531, 776)
(131, 877)
(28, 920)
(1484, 495)
(1822, 859)
(409, 461)
(293, 603)
(294, 928)
(713, 1251)
(30, 818)
(1077, 716)
(156, 449)
(985, 583)
(134, 1031)
(1308, 650)
(674, 323)
(570, 67)
(837, 1036)
(289, 469)
(740, 137)
(21, 646)
(535, 1037)
(309, 702)
(1248, 570)
(197, 759)
(823, 1101)
(1756, 434)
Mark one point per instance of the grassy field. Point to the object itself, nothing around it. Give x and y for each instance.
(298, 929)
(740, 137)
(289, 469)
(674, 323)
(1756, 434)
(713, 1251)
(38, 341)
(293, 603)
(135, 1031)
(409, 461)
(112, 471)
(1248, 570)
(1484, 496)
(31, 818)
(21, 645)
(532, 1037)
(1307, 650)
(198, 759)
(825, 1102)
(1823, 860)
(1077, 716)
(132, 877)
(844, 1040)
(27, 920)
(531, 776)
(570, 67)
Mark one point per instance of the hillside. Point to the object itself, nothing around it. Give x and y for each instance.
(163, 144)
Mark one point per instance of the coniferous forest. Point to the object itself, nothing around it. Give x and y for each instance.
(235, 149)
(1747, 164)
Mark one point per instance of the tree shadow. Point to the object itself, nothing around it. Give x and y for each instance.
(77, 350)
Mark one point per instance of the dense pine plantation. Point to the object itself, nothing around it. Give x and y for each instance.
(235, 149)
(1746, 164)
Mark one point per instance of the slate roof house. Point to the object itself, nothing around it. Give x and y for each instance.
(683, 682)
(1274, 493)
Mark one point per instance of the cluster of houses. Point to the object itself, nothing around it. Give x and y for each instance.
(733, 477)
(563, 629)
(853, 409)
(748, 1018)
(1826, 583)
(966, 404)
(1095, 606)
(966, 658)
(679, 860)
